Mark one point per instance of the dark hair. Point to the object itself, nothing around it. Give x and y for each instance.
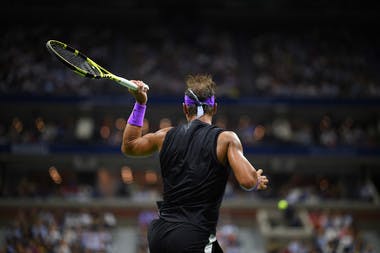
(204, 87)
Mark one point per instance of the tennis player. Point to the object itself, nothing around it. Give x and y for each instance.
(196, 159)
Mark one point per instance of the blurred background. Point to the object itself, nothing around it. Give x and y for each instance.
(299, 83)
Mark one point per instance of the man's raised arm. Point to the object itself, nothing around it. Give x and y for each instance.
(134, 143)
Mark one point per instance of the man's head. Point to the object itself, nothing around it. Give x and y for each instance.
(199, 96)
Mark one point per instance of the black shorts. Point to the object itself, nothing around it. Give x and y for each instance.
(171, 237)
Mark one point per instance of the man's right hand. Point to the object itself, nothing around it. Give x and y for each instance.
(263, 180)
(141, 93)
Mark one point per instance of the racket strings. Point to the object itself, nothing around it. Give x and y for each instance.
(76, 60)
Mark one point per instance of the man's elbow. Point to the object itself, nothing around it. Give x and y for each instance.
(126, 150)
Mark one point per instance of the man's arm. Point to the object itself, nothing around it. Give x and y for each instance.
(136, 145)
(230, 151)
(133, 142)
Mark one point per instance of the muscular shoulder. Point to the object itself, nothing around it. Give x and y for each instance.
(163, 131)
(160, 135)
(225, 138)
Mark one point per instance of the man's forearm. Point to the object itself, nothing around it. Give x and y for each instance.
(133, 129)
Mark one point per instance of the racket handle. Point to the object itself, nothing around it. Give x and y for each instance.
(129, 84)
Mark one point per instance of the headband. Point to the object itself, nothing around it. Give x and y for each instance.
(190, 101)
(209, 101)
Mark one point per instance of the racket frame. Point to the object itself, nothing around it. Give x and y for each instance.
(103, 72)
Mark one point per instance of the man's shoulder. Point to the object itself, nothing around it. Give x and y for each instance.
(228, 135)
(224, 140)
(163, 131)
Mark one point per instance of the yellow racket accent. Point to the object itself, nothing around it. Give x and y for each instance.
(83, 65)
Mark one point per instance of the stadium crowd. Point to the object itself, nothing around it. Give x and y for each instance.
(315, 63)
(338, 232)
(52, 231)
(335, 64)
(144, 185)
(324, 131)
(333, 231)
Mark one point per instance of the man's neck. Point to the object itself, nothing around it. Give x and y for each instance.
(205, 118)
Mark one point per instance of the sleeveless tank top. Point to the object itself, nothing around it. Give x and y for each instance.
(194, 180)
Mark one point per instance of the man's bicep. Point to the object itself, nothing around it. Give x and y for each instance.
(148, 144)
(145, 145)
(235, 152)
(243, 170)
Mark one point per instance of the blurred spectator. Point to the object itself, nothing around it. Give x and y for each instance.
(221, 121)
(144, 219)
(281, 129)
(328, 136)
(245, 129)
(146, 127)
(165, 122)
(228, 235)
(302, 133)
(84, 128)
(50, 234)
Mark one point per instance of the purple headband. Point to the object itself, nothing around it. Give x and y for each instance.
(209, 101)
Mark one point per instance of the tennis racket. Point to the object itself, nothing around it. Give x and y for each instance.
(83, 65)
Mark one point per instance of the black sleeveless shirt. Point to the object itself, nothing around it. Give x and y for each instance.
(194, 180)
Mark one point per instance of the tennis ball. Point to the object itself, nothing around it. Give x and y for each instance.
(282, 204)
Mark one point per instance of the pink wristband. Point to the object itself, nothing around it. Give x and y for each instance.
(137, 116)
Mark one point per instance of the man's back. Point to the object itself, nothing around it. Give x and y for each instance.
(193, 161)
(194, 180)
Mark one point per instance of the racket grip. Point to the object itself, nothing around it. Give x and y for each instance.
(129, 84)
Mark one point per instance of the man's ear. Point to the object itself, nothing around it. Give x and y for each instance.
(185, 109)
(215, 108)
